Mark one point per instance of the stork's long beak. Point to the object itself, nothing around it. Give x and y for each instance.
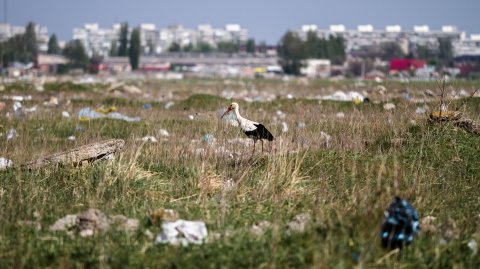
(226, 112)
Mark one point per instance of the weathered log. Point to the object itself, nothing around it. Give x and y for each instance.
(81, 155)
(468, 125)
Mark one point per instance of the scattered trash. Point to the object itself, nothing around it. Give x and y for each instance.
(191, 117)
(445, 115)
(342, 96)
(284, 127)
(147, 106)
(289, 96)
(472, 244)
(400, 225)
(325, 139)
(17, 98)
(71, 138)
(52, 102)
(301, 125)
(161, 215)
(79, 128)
(163, 132)
(280, 114)
(30, 109)
(87, 113)
(11, 134)
(389, 106)
(149, 138)
(168, 105)
(298, 223)
(5, 163)
(429, 93)
(182, 232)
(420, 110)
(17, 107)
(260, 227)
(65, 114)
(208, 138)
(340, 115)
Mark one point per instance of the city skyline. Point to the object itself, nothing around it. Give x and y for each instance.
(266, 20)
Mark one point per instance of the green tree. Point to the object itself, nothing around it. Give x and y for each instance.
(188, 48)
(251, 45)
(291, 51)
(390, 50)
(204, 47)
(227, 47)
(53, 47)
(445, 51)
(75, 52)
(113, 49)
(123, 39)
(135, 49)
(31, 42)
(174, 47)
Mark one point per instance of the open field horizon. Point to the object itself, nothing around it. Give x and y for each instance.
(339, 162)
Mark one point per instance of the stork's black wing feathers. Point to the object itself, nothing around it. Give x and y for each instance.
(260, 133)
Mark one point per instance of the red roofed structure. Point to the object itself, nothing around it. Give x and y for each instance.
(406, 64)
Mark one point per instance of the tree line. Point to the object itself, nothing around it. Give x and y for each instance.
(23, 48)
(229, 47)
(293, 51)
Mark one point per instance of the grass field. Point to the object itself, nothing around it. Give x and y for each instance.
(345, 184)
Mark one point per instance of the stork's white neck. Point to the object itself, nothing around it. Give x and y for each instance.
(238, 116)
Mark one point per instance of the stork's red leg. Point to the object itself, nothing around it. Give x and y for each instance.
(262, 144)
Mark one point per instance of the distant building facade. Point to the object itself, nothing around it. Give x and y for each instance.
(154, 41)
(367, 35)
(8, 30)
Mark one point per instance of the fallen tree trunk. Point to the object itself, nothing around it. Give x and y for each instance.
(81, 155)
(468, 125)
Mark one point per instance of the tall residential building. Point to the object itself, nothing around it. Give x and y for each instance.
(7, 31)
(98, 41)
(367, 35)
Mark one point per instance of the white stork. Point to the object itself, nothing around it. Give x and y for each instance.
(252, 129)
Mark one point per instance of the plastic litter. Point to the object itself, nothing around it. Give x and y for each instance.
(420, 110)
(182, 232)
(163, 132)
(342, 96)
(301, 125)
(5, 163)
(472, 244)
(30, 109)
(147, 106)
(284, 127)
(11, 134)
(260, 227)
(71, 138)
(65, 114)
(325, 138)
(389, 106)
(298, 223)
(149, 138)
(191, 117)
(208, 138)
(289, 96)
(400, 225)
(87, 113)
(168, 105)
(52, 102)
(340, 115)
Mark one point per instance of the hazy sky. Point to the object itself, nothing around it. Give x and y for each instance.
(265, 19)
